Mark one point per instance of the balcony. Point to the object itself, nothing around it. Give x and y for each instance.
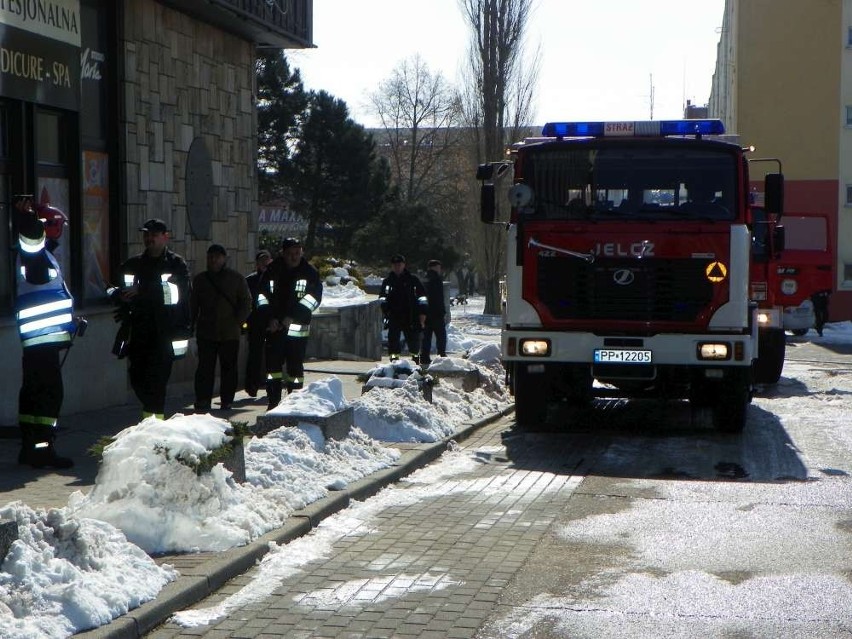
(280, 24)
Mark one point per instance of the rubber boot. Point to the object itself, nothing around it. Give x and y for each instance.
(38, 450)
(273, 393)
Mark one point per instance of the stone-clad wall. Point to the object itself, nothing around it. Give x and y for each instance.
(349, 332)
(184, 79)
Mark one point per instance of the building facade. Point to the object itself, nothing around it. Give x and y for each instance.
(783, 83)
(117, 111)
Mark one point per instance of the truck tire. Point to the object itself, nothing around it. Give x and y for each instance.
(532, 393)
(770, 362)
(731, 402)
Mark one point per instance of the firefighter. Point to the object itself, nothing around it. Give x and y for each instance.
(404, 307)
(256, 325)
(155, 316)
(294, 291)
(436, 314)
(46, 326)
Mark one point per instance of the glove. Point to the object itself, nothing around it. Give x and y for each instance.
(385, 323)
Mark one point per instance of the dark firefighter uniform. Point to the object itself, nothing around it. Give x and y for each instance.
(46, 326)
(256, 325)
(404, 306)
(156, 324)
(294, 292)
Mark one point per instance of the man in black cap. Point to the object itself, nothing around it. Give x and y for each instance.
(404, 306)
(153, 298)
(221, 302)
(256, 325)
(294, 291)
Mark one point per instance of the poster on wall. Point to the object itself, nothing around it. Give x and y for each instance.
(54, 191)
(95, 224)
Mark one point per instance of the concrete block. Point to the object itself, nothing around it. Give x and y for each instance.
(335, 425)
(8, 536)
(236, 462)
(467, 381)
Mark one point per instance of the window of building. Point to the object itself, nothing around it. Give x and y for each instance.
(847, 273)
(848, 115)
(849, 37)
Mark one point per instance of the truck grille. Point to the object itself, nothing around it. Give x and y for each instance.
(648, 290)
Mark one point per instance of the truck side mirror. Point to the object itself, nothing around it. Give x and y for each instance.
(773, 193)
(487, 203)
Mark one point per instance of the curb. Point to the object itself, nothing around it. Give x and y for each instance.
(207, 576)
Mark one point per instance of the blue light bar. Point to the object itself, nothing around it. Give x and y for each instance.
(646, 128)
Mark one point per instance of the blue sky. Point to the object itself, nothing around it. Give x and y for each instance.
(600, 58)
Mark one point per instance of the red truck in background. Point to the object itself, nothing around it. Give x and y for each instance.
(791, 282)
(801, 279)
(629, 267)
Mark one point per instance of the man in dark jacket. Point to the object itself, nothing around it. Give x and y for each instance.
(294, 291)
(404, 306)
(256, 325)
(436, 314)
(154, 312)
(43, 308)
(221, 302)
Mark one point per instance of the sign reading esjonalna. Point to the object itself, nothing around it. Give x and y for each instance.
(40, 51)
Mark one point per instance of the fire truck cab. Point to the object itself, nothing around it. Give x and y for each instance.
(628, 258)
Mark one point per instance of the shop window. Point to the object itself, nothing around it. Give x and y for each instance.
(50, 138)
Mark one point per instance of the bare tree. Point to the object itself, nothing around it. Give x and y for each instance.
(498, 100)
(420, 112)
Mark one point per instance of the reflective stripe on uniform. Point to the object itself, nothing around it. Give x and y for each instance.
(274, 375)
(29, 245)
(180, 346)
(50, 338)
(298, 330)
(309, 302)
(43, 309)
(171, 293)
(37, 419)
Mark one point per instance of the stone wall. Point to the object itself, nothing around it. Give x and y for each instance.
(350, 332)
(185, 80)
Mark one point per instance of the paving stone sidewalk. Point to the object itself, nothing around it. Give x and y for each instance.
(201, 573)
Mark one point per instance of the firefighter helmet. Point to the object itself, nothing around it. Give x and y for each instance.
(54, 220)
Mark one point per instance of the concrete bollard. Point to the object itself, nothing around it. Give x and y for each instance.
(468, 381)
(236, 461)
(8, 536)
(335, 425)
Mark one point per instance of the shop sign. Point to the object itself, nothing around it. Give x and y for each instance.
(279, 220)
(40, 51)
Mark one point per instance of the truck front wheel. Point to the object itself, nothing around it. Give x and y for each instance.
(532, 392)
(731, 402)
(770, 361)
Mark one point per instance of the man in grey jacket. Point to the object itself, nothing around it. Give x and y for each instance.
(221, 302)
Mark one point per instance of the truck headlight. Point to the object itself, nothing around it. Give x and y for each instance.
(714, 351)
(535, 347)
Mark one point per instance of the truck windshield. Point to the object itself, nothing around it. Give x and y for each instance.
(634, 182)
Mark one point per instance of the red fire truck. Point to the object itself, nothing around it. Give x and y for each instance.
(628, 266)
(800, 279)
